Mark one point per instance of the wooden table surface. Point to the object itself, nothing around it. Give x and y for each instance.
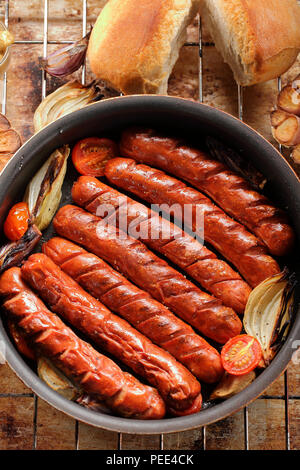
(27, 422)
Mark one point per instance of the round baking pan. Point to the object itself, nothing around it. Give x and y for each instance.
(192, 121)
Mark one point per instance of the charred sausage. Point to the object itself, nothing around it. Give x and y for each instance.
(215, 275)
(229, 190)
(141, 266)
(146, 314)
(113, 334)
(95, 373)
(227, 236)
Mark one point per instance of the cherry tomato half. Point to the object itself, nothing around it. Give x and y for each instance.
(16, 223)
(241, 354)
(90, 155)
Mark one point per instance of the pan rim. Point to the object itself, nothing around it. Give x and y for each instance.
(206, 416)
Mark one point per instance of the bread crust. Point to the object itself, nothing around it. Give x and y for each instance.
(135, 44)
(259, 39)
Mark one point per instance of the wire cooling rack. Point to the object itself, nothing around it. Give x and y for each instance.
(200, 45)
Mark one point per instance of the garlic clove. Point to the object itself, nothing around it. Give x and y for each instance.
(67, 59)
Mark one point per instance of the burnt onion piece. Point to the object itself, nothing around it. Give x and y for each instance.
(230, 385)
(269, 311)
(67, 59)
(14, 253)
(43, 194)
(69, 97)
(235, 162)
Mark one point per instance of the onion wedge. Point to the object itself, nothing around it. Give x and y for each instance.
(64, 100)
(43, 194)
(56, 380)
(268, 313)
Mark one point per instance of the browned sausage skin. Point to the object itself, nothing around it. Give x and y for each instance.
(95, 373)
(215, 275)
(64, 296)
(150, 317)
(144, 268)
(229, 190)
(227, 236)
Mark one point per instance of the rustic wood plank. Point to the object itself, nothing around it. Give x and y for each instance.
(91, 438)
(294, 414)
(16, 423)
(188, 440)
(227, 434)
(267, 425)
(54, 429)
(10, 383)
(26, 19)
(134, 442)
(294, 378)
(23, 88)
(276, 388)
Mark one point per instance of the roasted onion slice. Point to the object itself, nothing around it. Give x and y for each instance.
(268, 312)
(43, 194)
(13, 253)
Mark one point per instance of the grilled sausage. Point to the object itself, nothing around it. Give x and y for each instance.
(150, 317)
(215, 275)
(227, 236)
(149, 272)
(95, 373)
(64, 296)
(229, 190)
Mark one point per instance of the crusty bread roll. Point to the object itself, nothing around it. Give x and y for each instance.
(135, 43)
(259, 39)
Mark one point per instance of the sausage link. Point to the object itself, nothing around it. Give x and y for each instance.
(229, 190)
(147, 315)
(175, 383)
(141, 266)
(95, 373)
(227, 236)
(215, 275)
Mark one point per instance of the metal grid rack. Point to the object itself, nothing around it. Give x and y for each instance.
(200, 45)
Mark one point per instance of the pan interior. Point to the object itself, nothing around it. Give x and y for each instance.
(193, 122)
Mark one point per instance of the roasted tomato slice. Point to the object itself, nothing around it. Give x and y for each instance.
(90, 155)
(241, 354)
(16, 223)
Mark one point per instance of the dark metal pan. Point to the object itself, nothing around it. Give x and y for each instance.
(192, 121)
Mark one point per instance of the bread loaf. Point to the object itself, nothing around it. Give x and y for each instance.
(259, 39)
(135, 43)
